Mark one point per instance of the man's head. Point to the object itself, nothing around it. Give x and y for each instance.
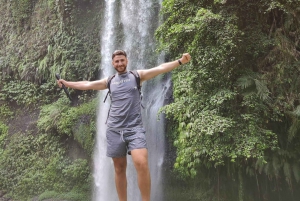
(119, 61)
(119, 52)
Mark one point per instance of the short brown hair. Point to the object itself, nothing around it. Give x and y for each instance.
(119, 52)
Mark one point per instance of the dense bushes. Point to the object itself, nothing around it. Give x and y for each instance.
(77, 122)
(31, 165)
(236, 104)
(38, 39)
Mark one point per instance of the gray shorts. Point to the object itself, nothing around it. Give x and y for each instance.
(122, 141)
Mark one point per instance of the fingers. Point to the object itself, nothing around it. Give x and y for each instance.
(60, 83)
(186, 57)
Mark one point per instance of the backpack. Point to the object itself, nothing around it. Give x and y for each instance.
(137, 79)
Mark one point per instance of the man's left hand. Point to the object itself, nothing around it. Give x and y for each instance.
(186, 57)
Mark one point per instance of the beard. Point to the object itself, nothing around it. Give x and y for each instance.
(121, 69)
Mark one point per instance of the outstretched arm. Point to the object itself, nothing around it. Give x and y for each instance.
(84, 85)
(148, 74)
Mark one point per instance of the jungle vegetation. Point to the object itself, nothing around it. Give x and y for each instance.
(236, 106)
(234, 121)
(39, 126)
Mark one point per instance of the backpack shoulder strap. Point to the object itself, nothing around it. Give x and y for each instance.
(138, 83)
(109, 81)
(137, 79)
(108, 85)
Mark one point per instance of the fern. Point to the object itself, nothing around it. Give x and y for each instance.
(296, 172)
(276, 165)
(245, 81)
(43, 71)
(296, 112)
(287, 170)
(254, 82)
(262, 89)
(295, 126)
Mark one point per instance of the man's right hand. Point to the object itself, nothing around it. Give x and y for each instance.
(61, 82)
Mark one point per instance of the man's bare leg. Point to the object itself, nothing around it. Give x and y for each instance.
(140, 160)
(120, 165)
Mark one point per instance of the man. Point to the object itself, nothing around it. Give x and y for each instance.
(125, 132)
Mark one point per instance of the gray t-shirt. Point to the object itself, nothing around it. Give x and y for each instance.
(125, 111)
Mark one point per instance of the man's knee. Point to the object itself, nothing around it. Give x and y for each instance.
(120, 165)
(142, 163)
(140, 159)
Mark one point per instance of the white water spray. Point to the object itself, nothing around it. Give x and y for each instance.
(103, 169)
(139, 20)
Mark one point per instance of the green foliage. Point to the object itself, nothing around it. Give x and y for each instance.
(78, 175)
(235, 105)
(27, 93)
(21, 10)
(50, 42)
(30, 165)
(79, 122)
(3, 136)
(254, 83)
(39, 38)
(5, 112)
(49, 115)
(72, 195)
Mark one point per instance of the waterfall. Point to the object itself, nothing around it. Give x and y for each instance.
(103, 168)
(130, 25)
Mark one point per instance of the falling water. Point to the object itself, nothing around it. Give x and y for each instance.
(103, 170)
(130, 25)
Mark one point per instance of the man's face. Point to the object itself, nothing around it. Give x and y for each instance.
(120, 63)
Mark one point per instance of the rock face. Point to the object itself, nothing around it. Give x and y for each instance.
(24, 122)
